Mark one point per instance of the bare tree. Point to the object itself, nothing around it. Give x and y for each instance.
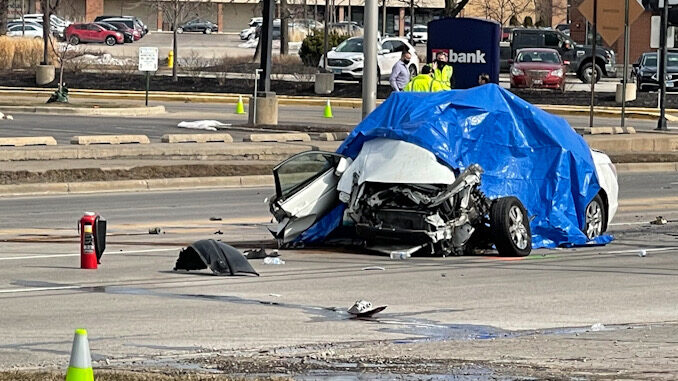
(503, 11)
(4, 10)
(453, 8)
(48, 7)
(176, 12)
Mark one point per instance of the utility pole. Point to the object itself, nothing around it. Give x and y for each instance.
(326, 37)
(594, 53)
(661, 73)
(266, 46)
(370, 54)
(412, 22)
(626, 61)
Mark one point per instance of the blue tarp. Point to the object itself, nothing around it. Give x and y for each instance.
(524, 151)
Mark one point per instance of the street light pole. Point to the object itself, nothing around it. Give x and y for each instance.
(594, 54)
(370, 57)
(626, 61)
(661, 73)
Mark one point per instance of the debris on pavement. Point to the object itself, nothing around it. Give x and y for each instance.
(275, 295)
(363, 308)
(273, 261)
(207, 125)
(221, 258)
(597, 327)
(5, 116)
(370, 268)
(215, 218)
(642, 253)
(260, 254)
(219, 232)
(155, 231)
(659, 220)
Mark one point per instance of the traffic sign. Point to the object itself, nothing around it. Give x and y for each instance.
(611, 17)
(148, 59)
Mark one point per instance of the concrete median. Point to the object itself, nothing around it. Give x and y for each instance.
(280, 138)
(110, 139)
(197, 138)
(28, 141)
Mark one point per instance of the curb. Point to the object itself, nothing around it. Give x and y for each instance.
(137, 185)
(252, 181)
(101, 111)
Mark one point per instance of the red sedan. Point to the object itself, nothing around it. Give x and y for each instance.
(77, 33)
(538, 68)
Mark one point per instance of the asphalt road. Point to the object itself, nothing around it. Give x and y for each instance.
(63, 127)
(137, 309)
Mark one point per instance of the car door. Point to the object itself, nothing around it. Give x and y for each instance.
(306, 190)
(95, 32)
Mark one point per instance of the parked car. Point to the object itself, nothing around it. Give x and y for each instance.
(538, 68)
(420, 34)
(57, 24)
(129, 36)
(251, 29)
(130, 21)
(645, 71)
(344, 27)
(136, 34)
(30, 31)
(580, 56)
(506, 33)
(346, 60)
(198, 25)
(77, 33)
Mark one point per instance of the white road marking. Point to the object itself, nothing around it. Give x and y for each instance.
(34, 289)
(77, 255)
(630, 223)
(648, 250)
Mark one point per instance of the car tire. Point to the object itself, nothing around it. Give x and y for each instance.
(180, 30)
(74, 40)
(585, 74)
(510, 227)
(595, 217)
(110, 41)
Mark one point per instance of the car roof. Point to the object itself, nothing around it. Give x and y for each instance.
(547, 50)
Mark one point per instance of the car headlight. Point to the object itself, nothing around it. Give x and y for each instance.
(557, 73)
(516, 71)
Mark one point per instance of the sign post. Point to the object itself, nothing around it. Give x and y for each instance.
(148, 62)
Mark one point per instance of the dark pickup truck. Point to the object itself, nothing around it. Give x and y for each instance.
(579, 56)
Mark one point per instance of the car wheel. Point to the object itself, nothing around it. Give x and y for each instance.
(180, 30)
(110, 41)
(510, 227)
(74, 40)
(586, 73)
(595, 218)
(413, 70)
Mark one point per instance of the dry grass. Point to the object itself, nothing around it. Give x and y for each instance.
(21, 53)
(297, 35)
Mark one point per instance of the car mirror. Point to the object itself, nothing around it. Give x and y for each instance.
(334, 48)
(384, 51)
(510, 61)
(342, 166)
(635, 65)
(566, 63)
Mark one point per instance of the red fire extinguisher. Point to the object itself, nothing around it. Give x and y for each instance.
(92, 228)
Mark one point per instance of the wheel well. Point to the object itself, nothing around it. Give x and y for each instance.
(606, 206)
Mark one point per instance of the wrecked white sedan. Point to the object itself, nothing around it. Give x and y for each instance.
(448, 173)
(400, 198)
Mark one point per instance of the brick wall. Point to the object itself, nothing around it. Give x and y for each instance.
(93, 8)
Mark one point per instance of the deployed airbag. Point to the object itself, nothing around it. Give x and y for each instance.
(221, 258)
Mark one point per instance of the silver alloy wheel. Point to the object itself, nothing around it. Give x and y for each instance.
(517, 228)
(594, 220)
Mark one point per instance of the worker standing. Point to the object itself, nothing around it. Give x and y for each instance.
(443, 70)
(400, 74)
(424, 82)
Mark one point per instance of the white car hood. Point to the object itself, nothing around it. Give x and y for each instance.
(396, 162)
(347, 55)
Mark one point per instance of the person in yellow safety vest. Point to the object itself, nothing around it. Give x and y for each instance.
(443, 71)
(424, 82)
